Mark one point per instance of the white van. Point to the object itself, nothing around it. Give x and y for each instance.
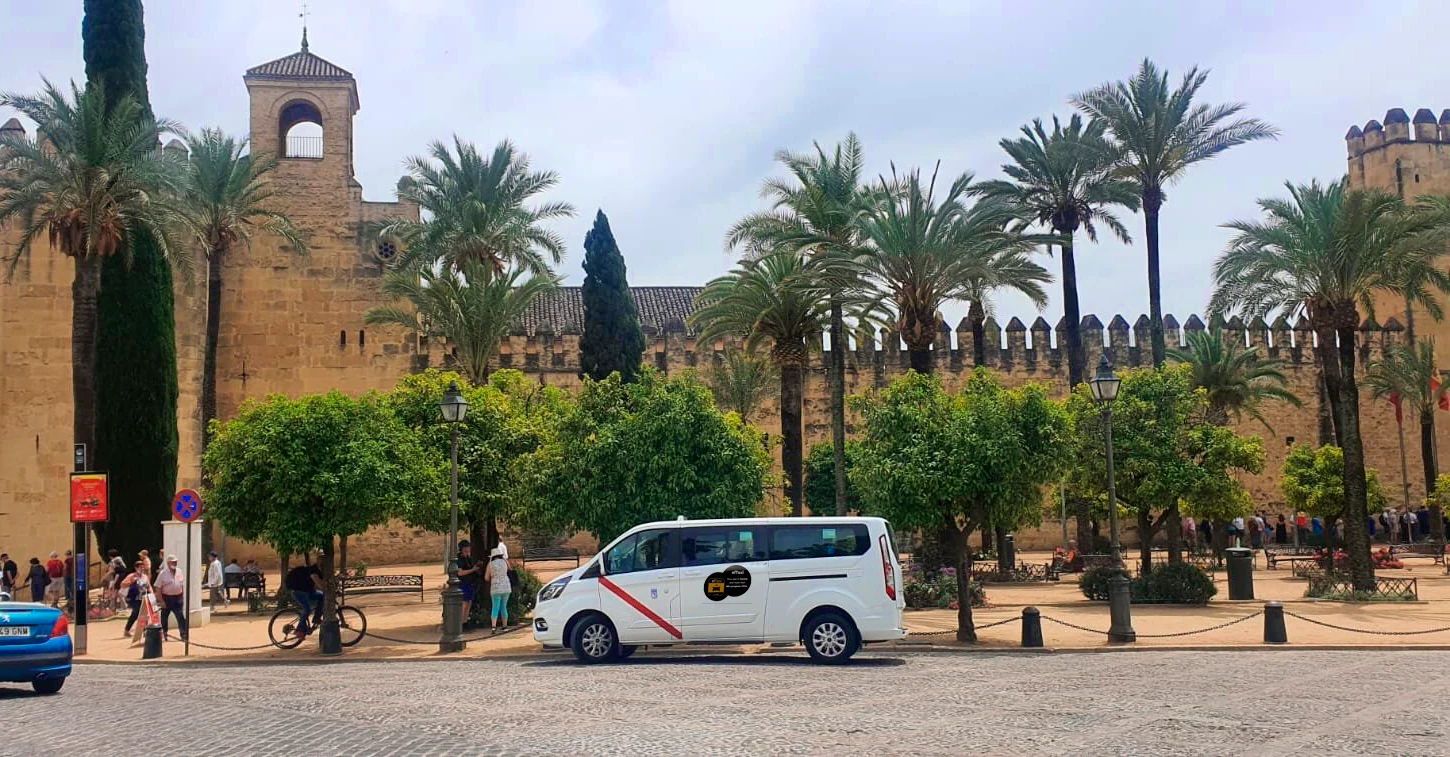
(830, 583)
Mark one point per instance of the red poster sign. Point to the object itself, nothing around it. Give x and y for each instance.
(89, 500)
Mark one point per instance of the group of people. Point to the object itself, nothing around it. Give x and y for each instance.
(141, 584)
(496, 573)
(50, 582)
(1403, 526)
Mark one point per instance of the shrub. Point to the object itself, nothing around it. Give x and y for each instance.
(521, 601)
(939, 590)
(1175, 583)
(1094, 582)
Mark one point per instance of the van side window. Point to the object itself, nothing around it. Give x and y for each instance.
(620, 558)
(825, 540)
(718, 545)
(647, 550)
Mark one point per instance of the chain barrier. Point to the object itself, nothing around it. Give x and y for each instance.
(975, 626)
(432, 642)
(196, 643)
(1073, 625)
(1201, 630)
(1364, 630)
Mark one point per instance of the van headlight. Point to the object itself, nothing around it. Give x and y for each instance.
(553, 590)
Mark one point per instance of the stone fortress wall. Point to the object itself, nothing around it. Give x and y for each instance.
(293, 324)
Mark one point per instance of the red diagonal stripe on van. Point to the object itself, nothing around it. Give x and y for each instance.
(636, 604)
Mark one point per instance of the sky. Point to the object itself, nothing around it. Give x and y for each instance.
(667, 115)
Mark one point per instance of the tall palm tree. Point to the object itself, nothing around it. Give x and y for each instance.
(475, 209)
(1238, 381)
(741, 381)
(927, 250)
(817, 210)
(1158, 133)
(224, 200)
(1408, 375)
(91, 182)
(473, 308)
(1065, 181)
(767, 300)
(1325, 252)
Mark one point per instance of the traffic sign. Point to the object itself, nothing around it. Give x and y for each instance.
(88, 498)
(186, 505)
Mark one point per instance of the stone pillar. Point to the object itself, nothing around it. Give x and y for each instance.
(174, 536)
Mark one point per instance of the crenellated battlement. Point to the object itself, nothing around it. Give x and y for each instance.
(1399, 128)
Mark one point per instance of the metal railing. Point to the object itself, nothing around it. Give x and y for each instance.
(304, 147)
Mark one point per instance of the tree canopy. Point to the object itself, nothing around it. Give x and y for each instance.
(1314, 482)
(612, 339)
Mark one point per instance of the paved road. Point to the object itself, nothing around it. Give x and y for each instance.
(1182, 703)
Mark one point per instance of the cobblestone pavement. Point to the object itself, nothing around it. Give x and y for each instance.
(1181, 703)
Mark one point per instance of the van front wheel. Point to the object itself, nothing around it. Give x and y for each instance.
(831, 639)
(594, 641)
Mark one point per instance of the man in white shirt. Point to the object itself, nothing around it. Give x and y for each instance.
(214, 583)
(171, 587)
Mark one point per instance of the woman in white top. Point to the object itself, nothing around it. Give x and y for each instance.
(499, 587)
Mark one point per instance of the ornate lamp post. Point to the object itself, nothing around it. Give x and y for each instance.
(454, 408)
(1105, 386)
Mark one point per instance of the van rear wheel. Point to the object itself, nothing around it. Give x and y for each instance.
(594, 640)
(831, 639)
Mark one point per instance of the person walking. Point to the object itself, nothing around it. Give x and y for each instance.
(214, 583)
(499, 588)
(55, 580)
(1392, 526)
(1190, 532)
(70, 577)
(9, 574)
(37, 580)
(1281, 530)
(171, 586)
(135, 584)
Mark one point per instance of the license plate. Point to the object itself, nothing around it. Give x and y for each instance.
(14, 630)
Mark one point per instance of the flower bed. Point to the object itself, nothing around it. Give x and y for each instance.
(939, 590)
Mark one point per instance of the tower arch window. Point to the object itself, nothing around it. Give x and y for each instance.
(299, 129)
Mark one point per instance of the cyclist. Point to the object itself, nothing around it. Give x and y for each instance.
(305, 583)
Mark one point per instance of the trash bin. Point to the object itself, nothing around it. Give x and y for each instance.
(1240, 572)
(1006, 553)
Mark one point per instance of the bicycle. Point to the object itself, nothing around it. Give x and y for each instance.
(286, 624)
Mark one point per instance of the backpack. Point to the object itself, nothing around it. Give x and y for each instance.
(513, 579)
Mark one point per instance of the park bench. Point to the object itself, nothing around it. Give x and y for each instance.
(232, 582)
(252, 583)
(543, 554)
(1432, 549)
(1276, 553)
(357, 585)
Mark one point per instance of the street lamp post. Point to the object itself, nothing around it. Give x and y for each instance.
(1120, 598)
(454, 407)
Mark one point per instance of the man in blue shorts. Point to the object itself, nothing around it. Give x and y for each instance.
(467, 578)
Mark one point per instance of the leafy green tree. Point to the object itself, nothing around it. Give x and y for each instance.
(223, 201)
(508, 418)
(952, 463)
(925, 251)
(1164, 454)
(612, 339)
(1158, 133)
(650, 450)
(135, 358)
(1313, 481)
(1326, 252)
(767, 299)
(1238, 381)
(98, 184)
(470, 307)
(296, 474)
(475, 210)
(818, 211)
(1407, 375)
(741, 381)
(820, 479)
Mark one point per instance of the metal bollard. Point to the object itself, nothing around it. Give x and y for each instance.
(152, 648)
(1120, 608)
(1274, 632)
(1031, 627)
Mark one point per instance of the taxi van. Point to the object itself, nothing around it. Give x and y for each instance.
(831, 584)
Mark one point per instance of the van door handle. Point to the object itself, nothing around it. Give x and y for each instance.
(690, 573)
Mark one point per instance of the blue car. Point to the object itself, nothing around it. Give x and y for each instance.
(35, 646)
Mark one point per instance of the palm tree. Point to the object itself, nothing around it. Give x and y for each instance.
(1326, 252)
(473, 308)
(474, 209)
(1158, 133)
(224, 200)
(767, 299)
(925, 251)
(1408, 375)
(740, 381)
(92, 181)
(817, 210)
(1238, 381)
(1065, 181)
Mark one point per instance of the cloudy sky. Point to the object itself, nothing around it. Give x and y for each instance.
(666, 115)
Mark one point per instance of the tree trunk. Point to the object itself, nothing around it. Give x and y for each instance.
(986, 540)
(1427, 459)
(957, 538)
(1174, 532)
(838, 402)
(792, 377)
(1337, 364)
(1327, 432)
(342, 551)
(920, 359)
(1001, 535)
(1152, 201)
(976, 320)
(85, 294)
(329, 584)
(1145, 541)
(1076, 360)
(213, 332)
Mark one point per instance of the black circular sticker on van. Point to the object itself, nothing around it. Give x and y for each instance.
(731, 582)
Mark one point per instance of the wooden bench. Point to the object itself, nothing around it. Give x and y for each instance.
(357, 585)
(1275, 553)
(1431, 549)
(543, 554)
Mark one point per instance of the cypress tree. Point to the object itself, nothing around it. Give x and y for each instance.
(136, 385)
(612, 340)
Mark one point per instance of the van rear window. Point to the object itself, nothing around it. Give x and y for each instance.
(825, 540)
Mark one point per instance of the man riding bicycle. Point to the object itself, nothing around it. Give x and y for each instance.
(305, 583)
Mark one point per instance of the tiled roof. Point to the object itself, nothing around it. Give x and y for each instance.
(562, 310)
(299, 65)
